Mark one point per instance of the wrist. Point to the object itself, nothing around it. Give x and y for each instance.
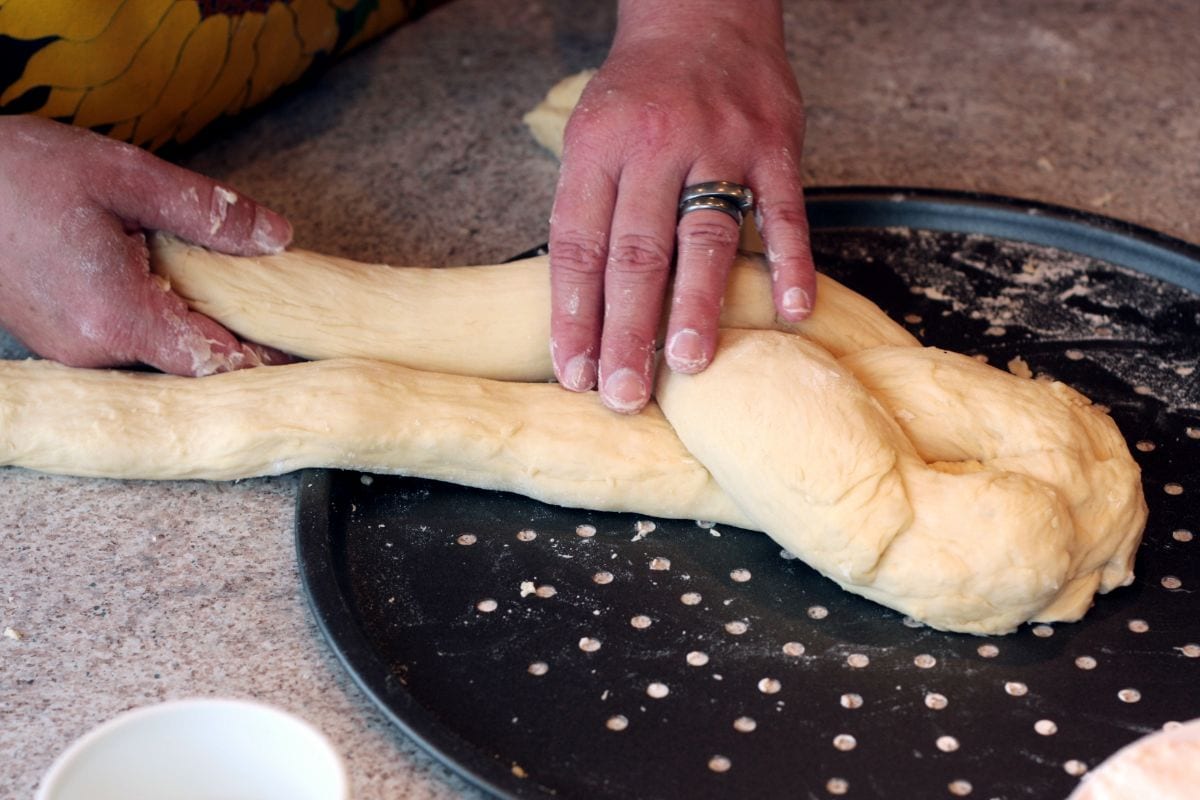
(755, 21)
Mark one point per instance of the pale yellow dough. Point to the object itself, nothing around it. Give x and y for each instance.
(548, 119)
(962, 495)
(488, 321)
(535, 439)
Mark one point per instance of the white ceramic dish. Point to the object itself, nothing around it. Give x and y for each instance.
(201, 749)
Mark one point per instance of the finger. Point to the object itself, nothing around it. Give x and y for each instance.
(154, 194)
(158, 329)
(639, 260)
(179, 341)
(779, 213)
(579, 225)
(707, 245)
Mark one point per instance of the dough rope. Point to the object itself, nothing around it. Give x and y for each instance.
(966, 497)
(536, 439)
(438, 319)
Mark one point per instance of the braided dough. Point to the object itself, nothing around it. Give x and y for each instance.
(964, 496)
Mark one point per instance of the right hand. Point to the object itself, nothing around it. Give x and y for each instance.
(75, 281)
(691, 92)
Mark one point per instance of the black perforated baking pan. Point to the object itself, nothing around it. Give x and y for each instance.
(542, 651)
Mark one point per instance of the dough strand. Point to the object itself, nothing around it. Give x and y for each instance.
(536, 439)
(487, 321)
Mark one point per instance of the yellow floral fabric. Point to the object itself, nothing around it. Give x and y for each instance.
(157, 71)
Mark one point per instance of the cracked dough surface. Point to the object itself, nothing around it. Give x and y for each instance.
(964, 496)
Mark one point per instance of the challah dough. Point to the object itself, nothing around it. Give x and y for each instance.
(962, 495)
(548, 119)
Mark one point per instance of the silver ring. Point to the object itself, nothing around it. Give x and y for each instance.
(736, 193)
(712, 203)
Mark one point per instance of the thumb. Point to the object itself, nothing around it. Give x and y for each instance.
(177, 340)
(151, 193)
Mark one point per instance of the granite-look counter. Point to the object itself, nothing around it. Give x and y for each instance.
(412, 151)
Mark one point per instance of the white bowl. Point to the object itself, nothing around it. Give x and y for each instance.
(199, 750)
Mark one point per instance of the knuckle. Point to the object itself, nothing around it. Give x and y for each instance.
(586, 143)
(639, 254)
(572, 335)
(700, 318)
(785, 216)
(652, 127)
(630, 346)
(780, 148)
(577, 255)
(575, 306)
(610, 134)
(701, 302)
(634, 127)
(707, 231)
(582, 126)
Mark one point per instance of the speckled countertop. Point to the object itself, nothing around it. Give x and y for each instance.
(412, 151)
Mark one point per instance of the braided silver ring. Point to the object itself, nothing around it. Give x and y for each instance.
(727, 197)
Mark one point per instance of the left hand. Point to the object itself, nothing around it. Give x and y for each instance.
(75, 280)
(692, 91)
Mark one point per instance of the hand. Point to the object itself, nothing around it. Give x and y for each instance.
(75, 284)
(692, 91)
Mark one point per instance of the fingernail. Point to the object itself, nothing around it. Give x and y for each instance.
(579, 373)
(625, 391)
(271, 231)
(685, 352)
(796, 301)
